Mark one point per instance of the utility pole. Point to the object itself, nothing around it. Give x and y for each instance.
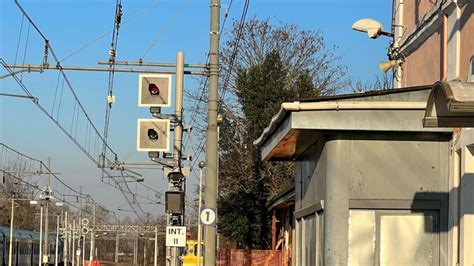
(79, 229)
(199, 247)
(211, 137)
(83, 248)
(155, 259)
(65, 241)
(10, 250)
(144, 251)
(73, 251)
(47, 197)
(135, 250)
(116, 246)
(91, 255)
(40, 257)
(57, 243)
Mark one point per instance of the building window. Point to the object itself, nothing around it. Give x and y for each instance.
(406, 240)
(393, 237)
(309, 228)
(361, 237)
(297, 251)
(309, 240)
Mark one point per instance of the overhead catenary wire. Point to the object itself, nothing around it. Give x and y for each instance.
(165, 29)
(204, 81)
(236, 47)
(19, 37)
(139, 13)
(112, 56)
(80, 107)
(48, 43)
(43, 169)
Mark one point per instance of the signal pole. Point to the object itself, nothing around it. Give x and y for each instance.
(177, 185)
(211, 137)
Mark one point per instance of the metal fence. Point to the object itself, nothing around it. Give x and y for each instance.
(249, 257)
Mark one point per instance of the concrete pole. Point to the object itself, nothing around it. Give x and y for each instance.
(144, 252)
(83, 249)
(10, 250)
(178, 134)
(211, 137)
(46, 217)
(79, 229)
(40, 257)
(199, 236)
(70, 248)
(57, 243)
(46, 236)
(66, 237)
(116, 246)
(155, 259)
(135, 250)
(91, 257)
(73, 251)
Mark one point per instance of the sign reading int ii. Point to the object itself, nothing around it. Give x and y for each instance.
(176, 236)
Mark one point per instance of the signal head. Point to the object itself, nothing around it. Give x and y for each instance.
(152, 135)
(154, 90)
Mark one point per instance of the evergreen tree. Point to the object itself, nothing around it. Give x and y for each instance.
(261, 89)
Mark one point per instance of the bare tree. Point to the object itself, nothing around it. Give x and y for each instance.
(16, 185)
(381, 82)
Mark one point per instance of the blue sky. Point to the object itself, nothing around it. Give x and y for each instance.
(70, 24)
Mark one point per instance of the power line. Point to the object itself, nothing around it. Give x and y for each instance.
(165, 29)
(112, 55)
(236, 47)
(203, 86)
(43, 169)
(77, 101)
(145, 9)
(19, 37)
(72, 134)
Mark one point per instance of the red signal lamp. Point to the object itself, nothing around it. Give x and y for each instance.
(153, 89)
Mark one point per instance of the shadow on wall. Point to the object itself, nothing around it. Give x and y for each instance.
(436, 201)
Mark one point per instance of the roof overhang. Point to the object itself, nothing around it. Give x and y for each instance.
(285, 198)
(450, 104)
(299, 125)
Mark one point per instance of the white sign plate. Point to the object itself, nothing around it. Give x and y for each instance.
(176, 236)
(208, 216)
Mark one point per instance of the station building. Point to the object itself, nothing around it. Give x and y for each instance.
(386, 177)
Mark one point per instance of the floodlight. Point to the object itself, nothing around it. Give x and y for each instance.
(372, 27)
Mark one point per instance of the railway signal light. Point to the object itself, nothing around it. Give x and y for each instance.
(174, 202)
(153, 135)
(154, 90)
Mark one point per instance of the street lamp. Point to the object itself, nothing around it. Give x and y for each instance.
(57, 204)
(201, 166)
(12, 219)
(373, 28)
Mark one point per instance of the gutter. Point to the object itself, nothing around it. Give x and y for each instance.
(336, 106)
